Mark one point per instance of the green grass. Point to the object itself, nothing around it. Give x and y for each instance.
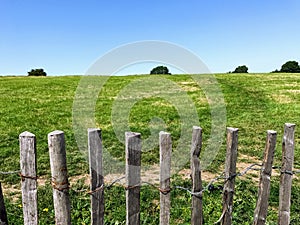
(244, 204)
(254, 103)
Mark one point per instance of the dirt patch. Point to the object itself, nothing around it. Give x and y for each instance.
(12, 191)
(205, 175)
(86, 178)
(43, 180)
(243, 162)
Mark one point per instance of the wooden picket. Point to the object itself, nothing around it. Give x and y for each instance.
(59, 173)
(288, 146)
(261, 210)
(230, 172)
(133, 177)
(165, 147)
(96, 173)
(197, 205)
(29, 178)
(3, 214)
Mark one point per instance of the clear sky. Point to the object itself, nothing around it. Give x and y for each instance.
(65, 37)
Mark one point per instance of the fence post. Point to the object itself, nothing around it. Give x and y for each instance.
(96, 173)
(60, 183)
(261, 208)
(197, 206)
(288, 145)
(133, 146)
(230, 173)
(165, 147)
(29, 179)
(3, 215)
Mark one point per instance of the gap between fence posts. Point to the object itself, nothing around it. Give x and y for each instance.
(230, 173)
(60, 183)
(165, 148)
(288, 145)
(133, 152)
(261, 208)
(96, 173)
(3, 214)
(197, 205)
(28, 177)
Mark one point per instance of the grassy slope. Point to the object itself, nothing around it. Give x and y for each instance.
(254, 103)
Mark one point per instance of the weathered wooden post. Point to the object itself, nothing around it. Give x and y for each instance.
(29, 179)
(197, 206)
(59, 172)
(133, 146)
(261, 210)
(230, 173)
(96, 173)
(3, 214)
(288, 146)
(165, 146)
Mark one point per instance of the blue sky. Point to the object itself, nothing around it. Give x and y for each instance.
(66, 37)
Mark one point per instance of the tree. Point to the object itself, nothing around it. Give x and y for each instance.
(37, 72)
(290, 67)
(160, 70)
(241, 69)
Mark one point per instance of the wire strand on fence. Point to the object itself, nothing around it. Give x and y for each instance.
(23, 177)
(114, 182)
(96, 190)
(209, 187)
(101, 187)
(10, 172)
(296, 172)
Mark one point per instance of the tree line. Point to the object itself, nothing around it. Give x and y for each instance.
(288, 67)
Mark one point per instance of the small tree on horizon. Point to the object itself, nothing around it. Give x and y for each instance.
(241, 69)
(160, 70)
(37, 72)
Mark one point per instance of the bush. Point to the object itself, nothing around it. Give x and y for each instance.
(160, 70)
(290, 67)
(276, 71)
(241, 69)
(37, 72)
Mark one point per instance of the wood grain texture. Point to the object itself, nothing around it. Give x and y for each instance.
(288, 146)
(165, 146)
(29, 180)
(133, 145)
(197, 205)
(59, 172)
(230, 172)
(261, 209)
(96, 173)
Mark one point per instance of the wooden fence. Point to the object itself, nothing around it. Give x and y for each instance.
(60, 183)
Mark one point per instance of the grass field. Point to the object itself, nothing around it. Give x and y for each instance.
(254, 103)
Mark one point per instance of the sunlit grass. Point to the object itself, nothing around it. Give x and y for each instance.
(255, 103)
